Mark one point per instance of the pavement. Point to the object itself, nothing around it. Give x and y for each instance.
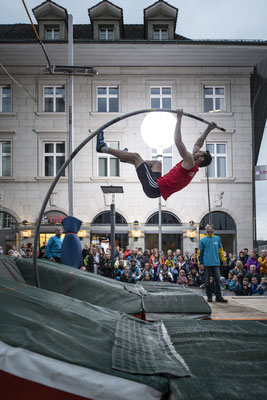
(238, 307)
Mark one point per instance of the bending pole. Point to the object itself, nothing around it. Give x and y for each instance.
(74, 153)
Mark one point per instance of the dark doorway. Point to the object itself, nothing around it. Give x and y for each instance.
(170, 240)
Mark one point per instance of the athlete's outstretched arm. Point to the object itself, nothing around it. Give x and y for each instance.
(188, 160)
(200, 141)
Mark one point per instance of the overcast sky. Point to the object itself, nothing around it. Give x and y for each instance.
(197, 19)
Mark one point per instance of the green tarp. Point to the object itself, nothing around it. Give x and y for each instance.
(64, 328)
(157, 298)
(227, 359)
(9, 270)
(81, 285)
(213, 359)
(145, 348)
(170, 298)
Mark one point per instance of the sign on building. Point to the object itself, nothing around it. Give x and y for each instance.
(53, 217)
(260, 172)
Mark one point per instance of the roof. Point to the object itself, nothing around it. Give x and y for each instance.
(47, 6)
(24, 32)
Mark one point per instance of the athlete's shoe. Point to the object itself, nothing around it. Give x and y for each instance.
(124, 150)
(100, 142)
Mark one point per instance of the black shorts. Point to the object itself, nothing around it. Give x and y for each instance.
(148, 180)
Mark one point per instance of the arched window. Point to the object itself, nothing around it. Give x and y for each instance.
(104, 218)
(220, 220)
(167, 218)
(7, 221)
(100, 230)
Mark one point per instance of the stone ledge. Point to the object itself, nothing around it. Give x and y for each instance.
(8, 115)
(50, 114)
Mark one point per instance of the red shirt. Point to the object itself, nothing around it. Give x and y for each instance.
(176, 179)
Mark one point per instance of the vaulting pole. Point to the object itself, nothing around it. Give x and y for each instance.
(75, 152)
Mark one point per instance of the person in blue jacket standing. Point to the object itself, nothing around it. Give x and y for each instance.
(210, 253)
(53, 247)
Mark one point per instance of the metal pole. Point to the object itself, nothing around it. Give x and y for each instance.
(254, 213)
(208, 189)
(112, 231)
(160, 228)
(71, 120)
(160, 158)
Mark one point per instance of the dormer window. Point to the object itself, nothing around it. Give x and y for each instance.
(52, 33)
(106, 33)
(160, 33)
(106, 21)
(160, 21)
(52, 20)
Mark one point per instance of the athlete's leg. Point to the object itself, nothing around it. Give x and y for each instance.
(126, 156)
(155, 165)
(147, 176)
(129, 157)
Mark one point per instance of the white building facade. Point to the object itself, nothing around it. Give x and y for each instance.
(161, 70)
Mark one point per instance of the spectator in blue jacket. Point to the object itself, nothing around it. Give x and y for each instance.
(234, 285)
(53, 247)
(210, 253)
(134, 271)
(256, 286)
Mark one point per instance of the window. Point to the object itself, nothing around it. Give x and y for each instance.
(107, 99)
(214, 98)
(161, 97)
(54, 157)
(5, 158)
(7, 221)
(109, 165)
(106, 33)
(52, 33)
(54, 98)
(104, 218)
(218, 166)
(166, 159)
(160, 33)
(167, 218)
(220, 221)
(5, 98)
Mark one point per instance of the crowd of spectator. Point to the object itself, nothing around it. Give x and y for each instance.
(244, 274)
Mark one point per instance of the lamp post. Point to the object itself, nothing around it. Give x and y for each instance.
(157, 130)
(112, 190)
(71, 124)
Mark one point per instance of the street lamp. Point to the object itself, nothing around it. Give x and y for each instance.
(157, 130)
(112, 190)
